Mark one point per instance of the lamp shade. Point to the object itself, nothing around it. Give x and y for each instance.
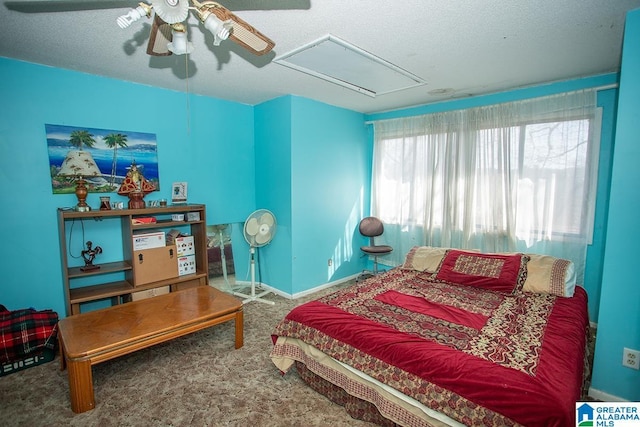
(79, 163)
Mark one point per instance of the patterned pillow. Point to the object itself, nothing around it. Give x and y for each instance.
(550, 275)
(424, 258)
(497, 272)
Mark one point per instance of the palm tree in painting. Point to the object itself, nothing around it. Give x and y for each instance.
(78, 138)
(115, 140)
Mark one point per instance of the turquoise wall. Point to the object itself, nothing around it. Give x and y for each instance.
(200, 140)
(330, 165)
(236, 158)
(317, 157)
(273, 188)
(619, 320)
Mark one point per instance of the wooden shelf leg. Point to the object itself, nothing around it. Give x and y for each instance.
(239, 329)
(80, 385)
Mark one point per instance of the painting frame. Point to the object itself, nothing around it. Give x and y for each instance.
(179, 193)
(114, 151)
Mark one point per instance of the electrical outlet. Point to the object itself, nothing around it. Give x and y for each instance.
(329, 262)
(631, 358)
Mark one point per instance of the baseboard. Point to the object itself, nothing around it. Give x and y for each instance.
(323, 286)
(605, 397)
(297, 295)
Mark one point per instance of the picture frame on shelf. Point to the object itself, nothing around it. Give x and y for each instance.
(179, 193)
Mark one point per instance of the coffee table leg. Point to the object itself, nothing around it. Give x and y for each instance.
(63, 365)
(80, 385)
(239, 329)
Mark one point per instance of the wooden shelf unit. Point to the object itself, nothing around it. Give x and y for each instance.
(120, 291)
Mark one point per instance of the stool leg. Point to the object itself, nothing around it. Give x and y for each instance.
(80, 385)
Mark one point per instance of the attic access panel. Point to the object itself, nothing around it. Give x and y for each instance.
(339, 62)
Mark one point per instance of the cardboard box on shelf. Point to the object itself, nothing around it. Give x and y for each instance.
(148, 240)
(186, 265)
(185, 245)
(155, 264)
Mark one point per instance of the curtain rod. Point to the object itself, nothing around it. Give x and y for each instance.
(597, 88)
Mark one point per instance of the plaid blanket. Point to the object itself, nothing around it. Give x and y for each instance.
(23, 332)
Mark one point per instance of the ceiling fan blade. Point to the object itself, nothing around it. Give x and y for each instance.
(159, 38)
(243, 33)
(44, 6)
(49, 6)
(266, 4)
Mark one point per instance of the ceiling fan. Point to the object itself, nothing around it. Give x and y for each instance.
(169, 30)
(169, 26)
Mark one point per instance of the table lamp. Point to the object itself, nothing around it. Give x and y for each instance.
(79, 164)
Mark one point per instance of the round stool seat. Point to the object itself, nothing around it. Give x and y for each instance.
(378, 249)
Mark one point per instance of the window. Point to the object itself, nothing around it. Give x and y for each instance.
(500, 178)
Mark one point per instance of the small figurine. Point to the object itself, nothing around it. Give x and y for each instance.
(89, 255)
(135, 186)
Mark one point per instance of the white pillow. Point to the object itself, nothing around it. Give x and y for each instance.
(550, 275)
(424, 258)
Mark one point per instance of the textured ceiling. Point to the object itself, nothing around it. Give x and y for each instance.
(459, 47)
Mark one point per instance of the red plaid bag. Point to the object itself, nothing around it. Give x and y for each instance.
(23, 332)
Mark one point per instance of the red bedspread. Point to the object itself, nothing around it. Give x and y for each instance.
(480, 357)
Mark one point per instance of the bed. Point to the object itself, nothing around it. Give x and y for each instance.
(451, 337)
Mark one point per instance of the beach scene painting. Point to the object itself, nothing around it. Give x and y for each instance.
(113, 151)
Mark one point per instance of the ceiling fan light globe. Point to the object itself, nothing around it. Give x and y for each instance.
(179, 44)
(134, 14)
(221, 35)
(221, 30)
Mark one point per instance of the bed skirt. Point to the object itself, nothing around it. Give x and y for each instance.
(357, 408)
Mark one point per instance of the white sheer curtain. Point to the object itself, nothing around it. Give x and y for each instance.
(517, 176)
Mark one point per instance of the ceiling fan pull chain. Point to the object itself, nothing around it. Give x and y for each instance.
(186, 68)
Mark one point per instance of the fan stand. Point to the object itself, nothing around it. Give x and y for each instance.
(253, 296)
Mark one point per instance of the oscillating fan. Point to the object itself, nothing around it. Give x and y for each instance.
(259, 229)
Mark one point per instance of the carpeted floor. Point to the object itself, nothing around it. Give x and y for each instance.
(198, 380)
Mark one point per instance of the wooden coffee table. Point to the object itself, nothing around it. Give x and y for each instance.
(90, 338)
